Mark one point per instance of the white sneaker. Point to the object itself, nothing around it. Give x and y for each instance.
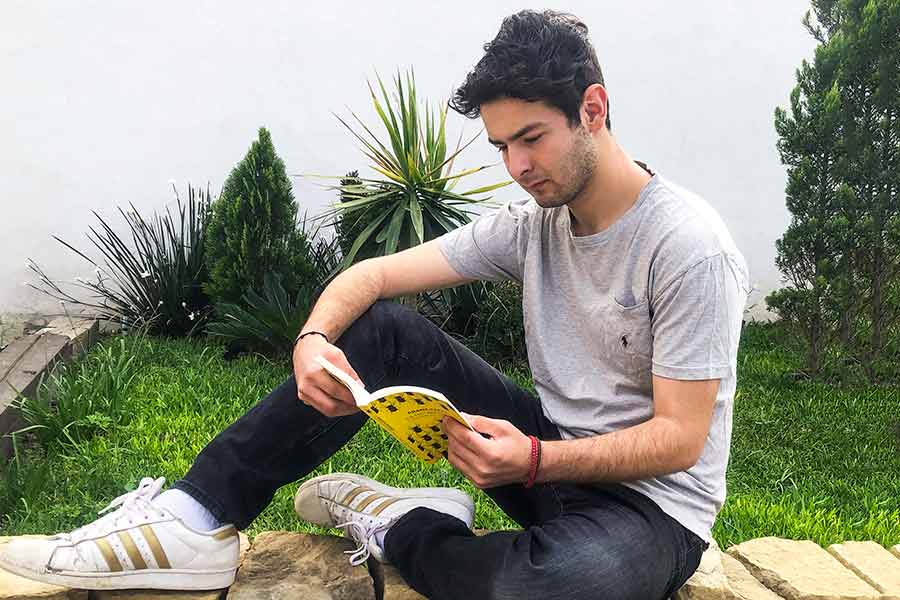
(137, 546)
(364, 508)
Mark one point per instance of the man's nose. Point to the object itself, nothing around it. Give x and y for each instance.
(518, 163)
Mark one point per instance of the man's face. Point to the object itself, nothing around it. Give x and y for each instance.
(550, 160)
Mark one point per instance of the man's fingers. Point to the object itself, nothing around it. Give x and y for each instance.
(462, 435)
(339, 360)
(462, 453)
(460, 461)
(492, 427)
(325, 404)
(332, 388)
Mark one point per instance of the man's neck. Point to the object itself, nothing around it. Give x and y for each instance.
(614, 188)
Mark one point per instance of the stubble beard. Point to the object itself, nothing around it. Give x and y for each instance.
(577, 168)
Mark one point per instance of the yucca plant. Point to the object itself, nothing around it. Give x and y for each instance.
(415, 201)
(153, 282)
(267, 322)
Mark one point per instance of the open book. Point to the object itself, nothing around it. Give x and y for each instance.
(411, 414)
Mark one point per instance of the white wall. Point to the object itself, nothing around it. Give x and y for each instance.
(105, 102)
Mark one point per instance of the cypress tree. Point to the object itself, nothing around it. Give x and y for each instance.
(253, 229)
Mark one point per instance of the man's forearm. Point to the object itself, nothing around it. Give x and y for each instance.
(347, 297)
(655, 447)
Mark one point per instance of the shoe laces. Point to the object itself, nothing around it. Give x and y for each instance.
(132, 506)
(359, 527)
(363, 536)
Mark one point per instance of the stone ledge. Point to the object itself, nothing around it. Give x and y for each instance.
(28, 359)
(873, 564)
(801, 570)
(285, 565)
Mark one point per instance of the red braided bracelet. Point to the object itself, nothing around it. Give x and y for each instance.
(535, 461)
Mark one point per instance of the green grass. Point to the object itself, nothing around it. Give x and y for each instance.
(808, 461)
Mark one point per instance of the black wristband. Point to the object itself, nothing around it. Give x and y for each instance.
(303, 335)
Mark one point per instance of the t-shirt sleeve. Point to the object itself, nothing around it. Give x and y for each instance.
(696, 321)
(488, 248)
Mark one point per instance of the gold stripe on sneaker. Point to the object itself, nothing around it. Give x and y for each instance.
(133, 553)
(108, 555)
(362, 505)
(346, 500)
(158, 553)
(224, 535)
(384, 505)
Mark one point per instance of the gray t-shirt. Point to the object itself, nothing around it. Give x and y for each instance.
(662, 290)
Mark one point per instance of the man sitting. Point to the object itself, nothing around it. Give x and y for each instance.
(633, 293)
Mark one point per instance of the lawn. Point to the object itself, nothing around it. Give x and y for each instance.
(808, 461)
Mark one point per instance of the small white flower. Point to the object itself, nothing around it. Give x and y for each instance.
(159, 303)
(184, 305)
(145, 274)
(191, 316)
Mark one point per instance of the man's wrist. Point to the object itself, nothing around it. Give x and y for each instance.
(534, 464)
(309, 332)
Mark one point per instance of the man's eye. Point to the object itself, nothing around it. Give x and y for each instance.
(532, 140)
(500, 148)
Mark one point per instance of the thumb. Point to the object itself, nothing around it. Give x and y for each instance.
(487, 425)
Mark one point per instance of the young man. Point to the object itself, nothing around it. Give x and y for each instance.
(633, 293)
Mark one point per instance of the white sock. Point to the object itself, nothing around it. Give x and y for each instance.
(186, 508)
(379, 538)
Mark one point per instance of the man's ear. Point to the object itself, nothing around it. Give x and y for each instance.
(594, 104)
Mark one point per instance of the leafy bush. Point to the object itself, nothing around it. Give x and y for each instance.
(264, 323)
(156, 282)
(268, 322)
(499, 334)
(253, 229)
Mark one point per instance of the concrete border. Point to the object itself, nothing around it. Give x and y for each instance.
(26, 361)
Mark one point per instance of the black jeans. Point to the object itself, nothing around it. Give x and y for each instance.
(578, 541)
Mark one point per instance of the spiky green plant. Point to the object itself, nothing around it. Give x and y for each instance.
(154, 281)
(415, 201)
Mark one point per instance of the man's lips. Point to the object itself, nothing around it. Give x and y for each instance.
(536, 184)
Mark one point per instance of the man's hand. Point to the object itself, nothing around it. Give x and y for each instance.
(315, 386)
(503, 458)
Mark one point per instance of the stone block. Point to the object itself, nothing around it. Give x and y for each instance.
(800, 570)
(744, 585)
(22, 365)
(389, 585)
(244, 546)
(297, 565)
(82, 332)
(871, 562)
(708, 582)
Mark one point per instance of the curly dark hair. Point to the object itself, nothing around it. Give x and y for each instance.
(536, 56)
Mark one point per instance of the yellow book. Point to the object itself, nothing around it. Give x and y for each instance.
(411, 414)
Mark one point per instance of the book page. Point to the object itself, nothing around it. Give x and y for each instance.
(413, 415)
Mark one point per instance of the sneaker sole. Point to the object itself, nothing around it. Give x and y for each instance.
(450, 494)
(158, 579)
